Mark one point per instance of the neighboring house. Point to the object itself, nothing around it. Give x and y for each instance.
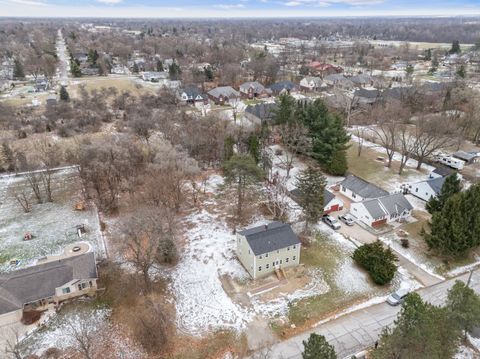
(440, 172)
(379, 211)
(367, 97)
(324, 69)
(81, 57)
(283, 87)
(37, 288)
(268, 248)
(358, 189)
(339, 81)
(41, 85)
(311, 84)
(427, 189)
(362, 80)
(330, 202)
(154, 76)
(192, 95)
(260, 113)
(222, 95)
(253, 90)
(468, 157)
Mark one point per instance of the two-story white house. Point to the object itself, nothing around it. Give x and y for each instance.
(267, 248)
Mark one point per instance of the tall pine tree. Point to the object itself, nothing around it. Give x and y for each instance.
(317, 347)
(451, 186)
(311, 186)
(18, 71)
(455, 230)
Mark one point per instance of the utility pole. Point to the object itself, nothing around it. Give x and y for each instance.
(470, 278)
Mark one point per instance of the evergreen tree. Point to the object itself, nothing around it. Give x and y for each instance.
(174, 71)
(135, 68)
(208, 73)
(18, 71)
(254, 147)
(311, 186)
(328, 135)
(464, 307)
(159, 65)
(456, 228)
(409, 70)
(317, 347)
(455, 47)
(92, 57)
(242, 172)
(75, 69)
(338, 165)
(428, 55)
(461, 72)
(377, 260)
(285, 111)
(228, 150)
(421, 331)
(451, 186)
(64, 96)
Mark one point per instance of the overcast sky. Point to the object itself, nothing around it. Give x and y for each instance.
(236, 8)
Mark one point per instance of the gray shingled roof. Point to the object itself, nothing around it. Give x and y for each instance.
(443, 171)
(374, 208)
(283, 85)
(257, 86)
(327, 195)
(371, 94)
(363, 188)
(38, 282)
(436, 184)
(226, 91)
(395, 203)
(268, 238)
(263, 111)
(392, 204)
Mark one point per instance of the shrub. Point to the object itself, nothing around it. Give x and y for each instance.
(377, 260)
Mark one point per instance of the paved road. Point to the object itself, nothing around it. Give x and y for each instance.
(359, 330)
(64, 59)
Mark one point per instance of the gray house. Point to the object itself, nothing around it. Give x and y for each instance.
(268, 248)
(37, 288)
(357, 189)
(261, 112)
(223, 95)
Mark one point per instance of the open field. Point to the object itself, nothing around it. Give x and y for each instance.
(51, 224)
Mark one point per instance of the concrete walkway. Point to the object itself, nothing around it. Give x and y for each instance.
(359, 330)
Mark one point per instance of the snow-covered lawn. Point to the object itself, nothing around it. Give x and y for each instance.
(88, 322)
(52, 225)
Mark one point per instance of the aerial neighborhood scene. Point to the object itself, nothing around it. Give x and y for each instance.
(239, 179)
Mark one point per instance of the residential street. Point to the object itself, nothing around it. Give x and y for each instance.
(64, 59)
(359, 330)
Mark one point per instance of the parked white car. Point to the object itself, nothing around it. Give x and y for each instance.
(397, 297)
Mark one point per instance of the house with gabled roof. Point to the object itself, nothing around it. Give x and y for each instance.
(193, 95)
(427, 189)
(380, 211)
(39, 287)
(357, 189)
(254, 89)
(284, 87)
(223, 95)
(312, 84)
(268, 248)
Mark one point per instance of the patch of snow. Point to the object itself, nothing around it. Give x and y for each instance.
(475, 342)
(461, 270)
(398, 247)
(465, 352)
(201, 302)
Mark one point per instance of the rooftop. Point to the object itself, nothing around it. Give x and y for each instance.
(363, 188)
(38, 282)
(270, 237)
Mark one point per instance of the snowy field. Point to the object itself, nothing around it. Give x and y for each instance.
(52, 224)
